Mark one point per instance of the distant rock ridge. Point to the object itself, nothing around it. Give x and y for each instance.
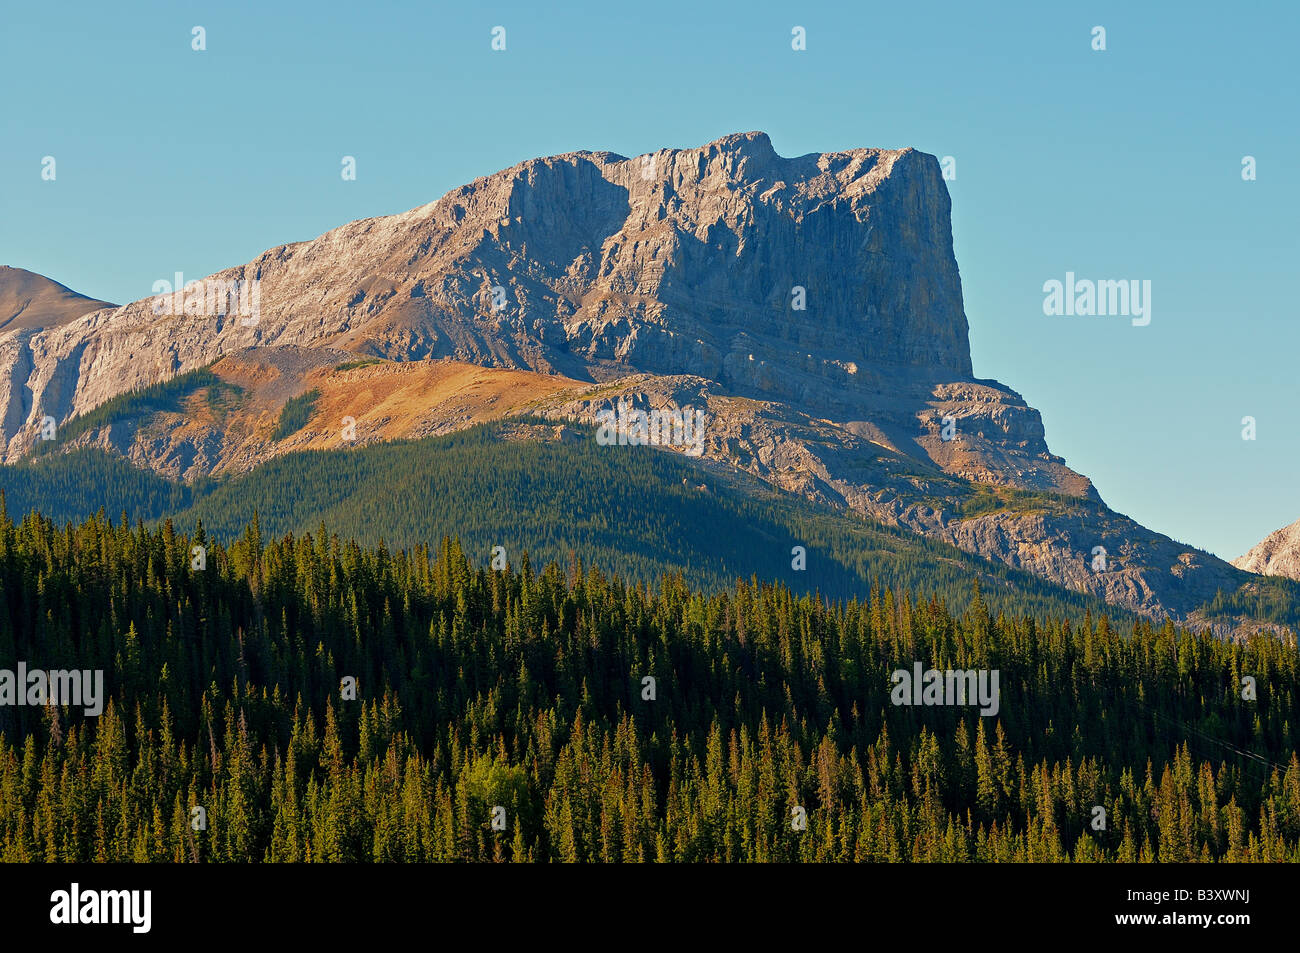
(1277, 554)
(29, 301)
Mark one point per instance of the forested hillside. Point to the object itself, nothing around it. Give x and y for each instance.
(636, 512)
(524, 689)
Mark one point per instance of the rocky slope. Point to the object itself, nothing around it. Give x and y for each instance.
(1278, 554)
(811, 306)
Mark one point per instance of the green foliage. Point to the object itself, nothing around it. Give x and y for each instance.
(634, 511)
(522, 689)
(68, 487)
(164, 396)
(984, 498)
(295, 414)
(1273, 599)
(361, 362)
(223, 397)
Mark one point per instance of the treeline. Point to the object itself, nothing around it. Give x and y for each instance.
(525, 690)
(1266, 598)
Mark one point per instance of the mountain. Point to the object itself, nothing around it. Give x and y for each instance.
(29, 301)
(811, 307)
(1277, 554)
(679, 263)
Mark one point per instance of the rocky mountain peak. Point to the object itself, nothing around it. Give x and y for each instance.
(826, 279)
(1278, 554)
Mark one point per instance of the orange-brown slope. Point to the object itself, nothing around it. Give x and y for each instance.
(395, 400)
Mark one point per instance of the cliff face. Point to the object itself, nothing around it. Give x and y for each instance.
(812, 305)
(28, 303)
(824, 279)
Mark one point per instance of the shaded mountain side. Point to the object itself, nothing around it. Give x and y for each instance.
(29, 303)
(68, 487)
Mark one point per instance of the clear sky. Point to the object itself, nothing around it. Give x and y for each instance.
(1120, 164)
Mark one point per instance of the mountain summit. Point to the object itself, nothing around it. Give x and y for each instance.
(29, 301)
(826, 282)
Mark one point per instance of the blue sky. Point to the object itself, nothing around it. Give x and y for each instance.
(1118, 164)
